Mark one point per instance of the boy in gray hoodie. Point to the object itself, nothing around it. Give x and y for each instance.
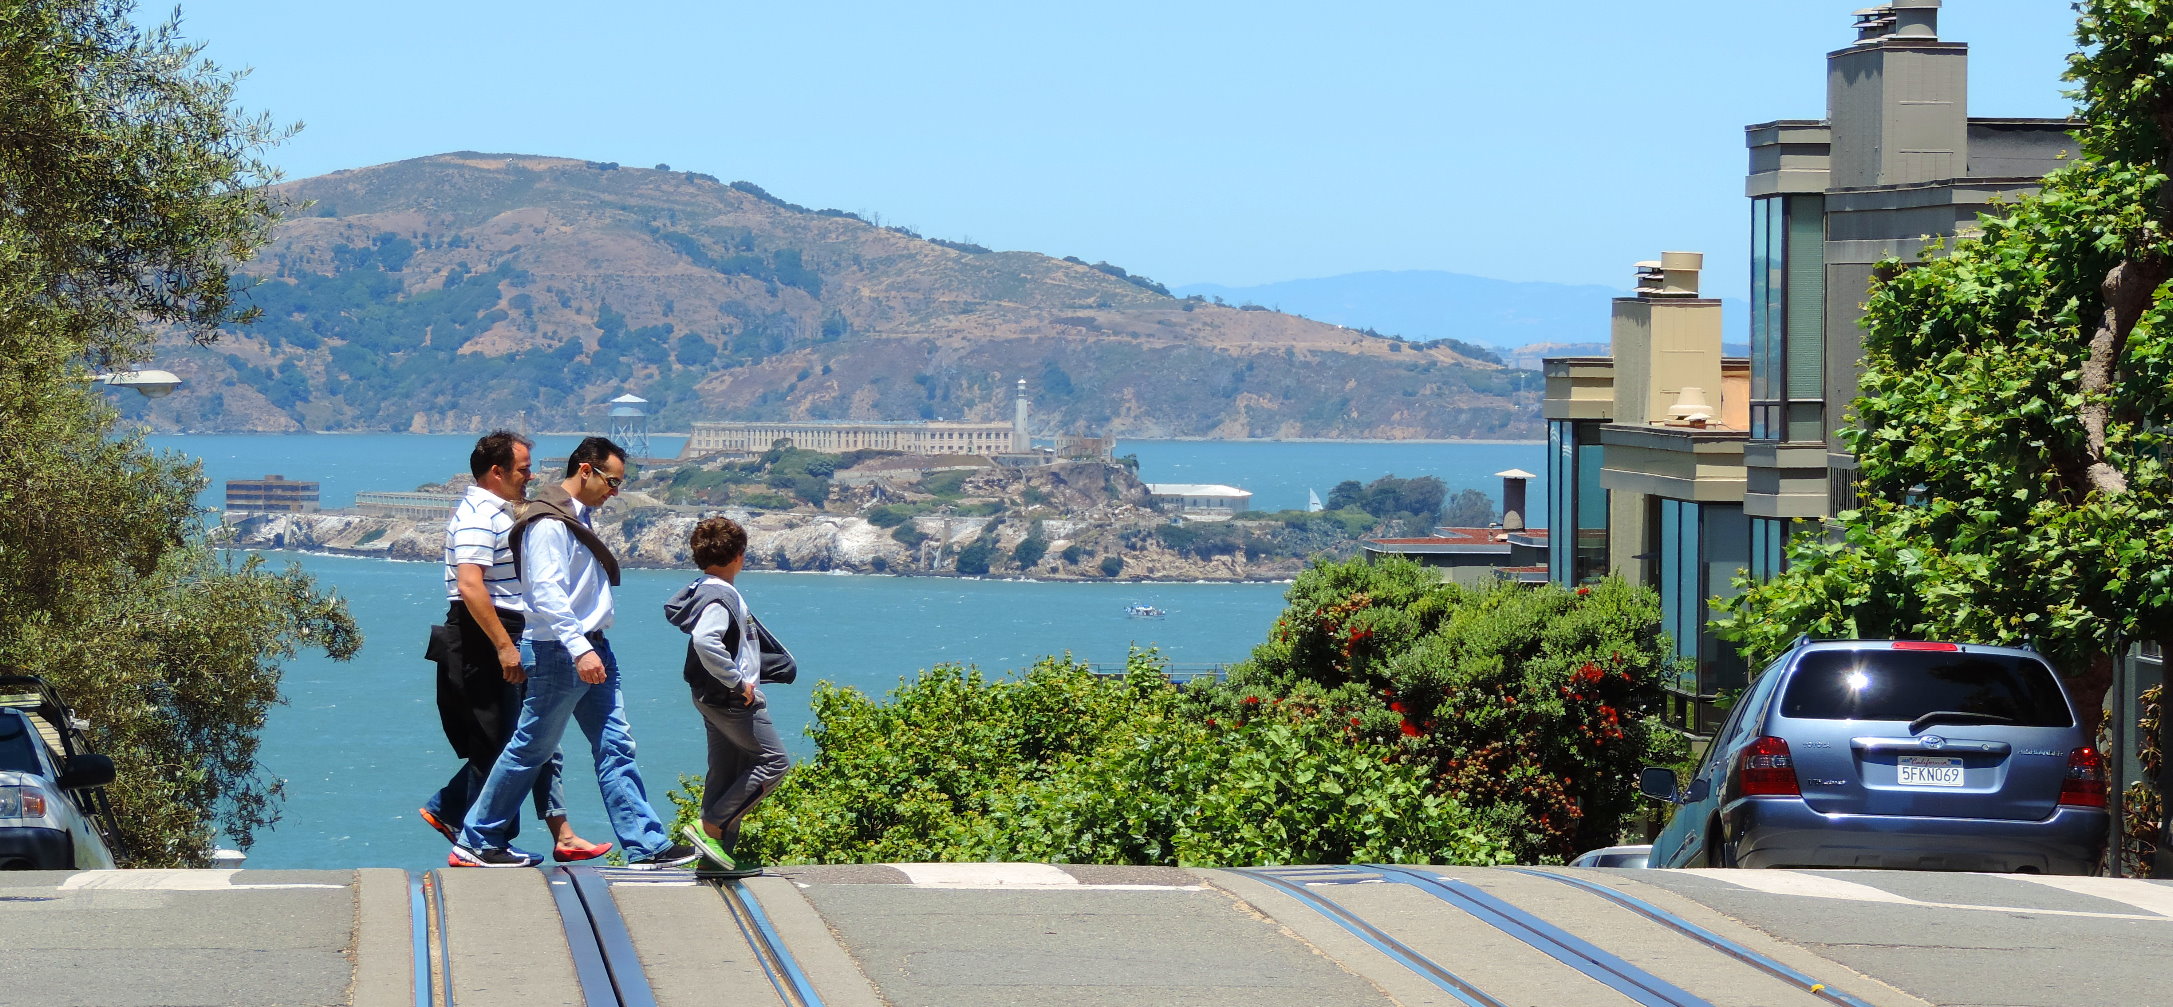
(723, 668)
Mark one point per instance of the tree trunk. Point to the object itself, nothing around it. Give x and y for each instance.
(2090, 689)
(2127, 293)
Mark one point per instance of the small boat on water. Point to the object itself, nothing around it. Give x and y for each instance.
(1144, 612)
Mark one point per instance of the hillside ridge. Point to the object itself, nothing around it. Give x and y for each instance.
(468, 290)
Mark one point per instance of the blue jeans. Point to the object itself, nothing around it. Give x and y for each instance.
(555, 695)
(452, 801)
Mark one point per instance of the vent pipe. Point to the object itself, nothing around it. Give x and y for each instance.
(1674, 275)
(1915, 18)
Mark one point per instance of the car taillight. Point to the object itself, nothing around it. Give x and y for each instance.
(1765, 770)
(22, 802)
(2084, 786)
(1923, 645)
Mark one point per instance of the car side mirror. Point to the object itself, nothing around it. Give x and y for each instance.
(1660, 784)
(87, 770)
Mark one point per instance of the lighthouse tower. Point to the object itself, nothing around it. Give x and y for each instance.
(1021, 442)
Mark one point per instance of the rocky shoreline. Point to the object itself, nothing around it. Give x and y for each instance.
(656, 538)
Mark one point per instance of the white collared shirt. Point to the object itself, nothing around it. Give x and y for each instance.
(568, 593)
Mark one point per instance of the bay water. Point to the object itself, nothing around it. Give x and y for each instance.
(359, 747)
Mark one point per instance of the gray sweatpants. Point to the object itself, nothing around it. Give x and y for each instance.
(746, 761)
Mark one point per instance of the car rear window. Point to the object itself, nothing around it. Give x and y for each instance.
(1907, 684)
(16, 741)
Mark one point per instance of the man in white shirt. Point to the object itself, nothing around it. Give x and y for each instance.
(479, 663)
(567, 574)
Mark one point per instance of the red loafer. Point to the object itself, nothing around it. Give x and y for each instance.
(568, 854)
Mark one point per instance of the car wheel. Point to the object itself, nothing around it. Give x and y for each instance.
(1718, 851)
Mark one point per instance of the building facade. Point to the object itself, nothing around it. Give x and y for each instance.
(1638, 490)
(271, 494)
(1199, 500)
(916, 437)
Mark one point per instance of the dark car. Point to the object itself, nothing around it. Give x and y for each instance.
(1897, 755)
(53, 812)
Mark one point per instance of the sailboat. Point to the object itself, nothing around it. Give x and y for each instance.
(1312, 502)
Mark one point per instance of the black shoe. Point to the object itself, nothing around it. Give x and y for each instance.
(675, 855)
(487, 857)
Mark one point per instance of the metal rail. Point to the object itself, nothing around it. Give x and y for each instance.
(1693, 931)
(1610, 970)
(1293, 882)
(603, 952)
(783, 970)
(418, 919)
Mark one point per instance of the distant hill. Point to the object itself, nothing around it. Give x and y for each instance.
(1425, 304)
(456, 292)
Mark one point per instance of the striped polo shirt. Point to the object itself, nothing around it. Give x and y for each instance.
(476, 535)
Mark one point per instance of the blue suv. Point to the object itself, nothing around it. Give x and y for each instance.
(1896, 754)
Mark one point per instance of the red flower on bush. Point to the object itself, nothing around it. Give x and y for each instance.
(1252, 701)
(1409, 729)
(1584, 591)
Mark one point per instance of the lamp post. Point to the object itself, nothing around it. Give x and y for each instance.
(153, 384)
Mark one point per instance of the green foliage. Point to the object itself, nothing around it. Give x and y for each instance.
(1072, 554)
(892, 515)
(1535, 705)
(1030, 550)
(973, 560)
(130, 189)
(1112, 565)
(1407, 506)
(909, 536)
(1060, 765)
(943, 485)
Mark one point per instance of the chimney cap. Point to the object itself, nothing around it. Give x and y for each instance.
(1514, 474)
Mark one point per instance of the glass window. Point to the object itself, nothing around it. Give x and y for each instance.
(1903, 685)
(18, 741)
(1591, 506)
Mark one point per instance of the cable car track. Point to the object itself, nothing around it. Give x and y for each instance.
(605, 964)
(1633, 983)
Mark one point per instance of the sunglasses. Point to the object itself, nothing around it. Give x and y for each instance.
(611, 481)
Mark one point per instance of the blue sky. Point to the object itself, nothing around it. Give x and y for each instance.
(1192, 141)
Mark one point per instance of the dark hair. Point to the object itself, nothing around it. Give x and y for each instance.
(593, 450)
(495, 450)
(717, 541)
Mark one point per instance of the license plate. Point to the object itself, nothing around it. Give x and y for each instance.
(1929, 771)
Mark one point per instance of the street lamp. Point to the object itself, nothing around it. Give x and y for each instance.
(153, 384)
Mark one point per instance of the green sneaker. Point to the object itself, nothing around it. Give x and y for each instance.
(716, 863)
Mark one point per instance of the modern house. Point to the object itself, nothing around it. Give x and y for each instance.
(1636, 485)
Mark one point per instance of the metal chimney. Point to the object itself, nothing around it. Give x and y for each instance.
(1512, 498)
(1915, 18)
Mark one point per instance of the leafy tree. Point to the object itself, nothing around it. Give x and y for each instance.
(129, 188)
(973, 559)
(1030, 549)
(1470, 509)
(2011, 431)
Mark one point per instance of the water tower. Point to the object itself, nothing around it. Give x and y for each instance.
(630, 425)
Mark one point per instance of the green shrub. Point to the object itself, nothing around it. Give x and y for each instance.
(1029, 551)
(973, 559)
(944, 485)
(1072, 554)
(909, 535)
(1060, 765)
(1535, 705)
(1112, 565)
(892, 515)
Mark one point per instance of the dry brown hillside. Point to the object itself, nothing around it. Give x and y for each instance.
(454, 292)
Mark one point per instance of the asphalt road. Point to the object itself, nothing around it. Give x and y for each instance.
(1017, 934)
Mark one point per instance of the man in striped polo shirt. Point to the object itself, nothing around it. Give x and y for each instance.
(480, 675)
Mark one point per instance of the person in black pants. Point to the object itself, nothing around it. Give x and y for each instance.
(480, 676)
